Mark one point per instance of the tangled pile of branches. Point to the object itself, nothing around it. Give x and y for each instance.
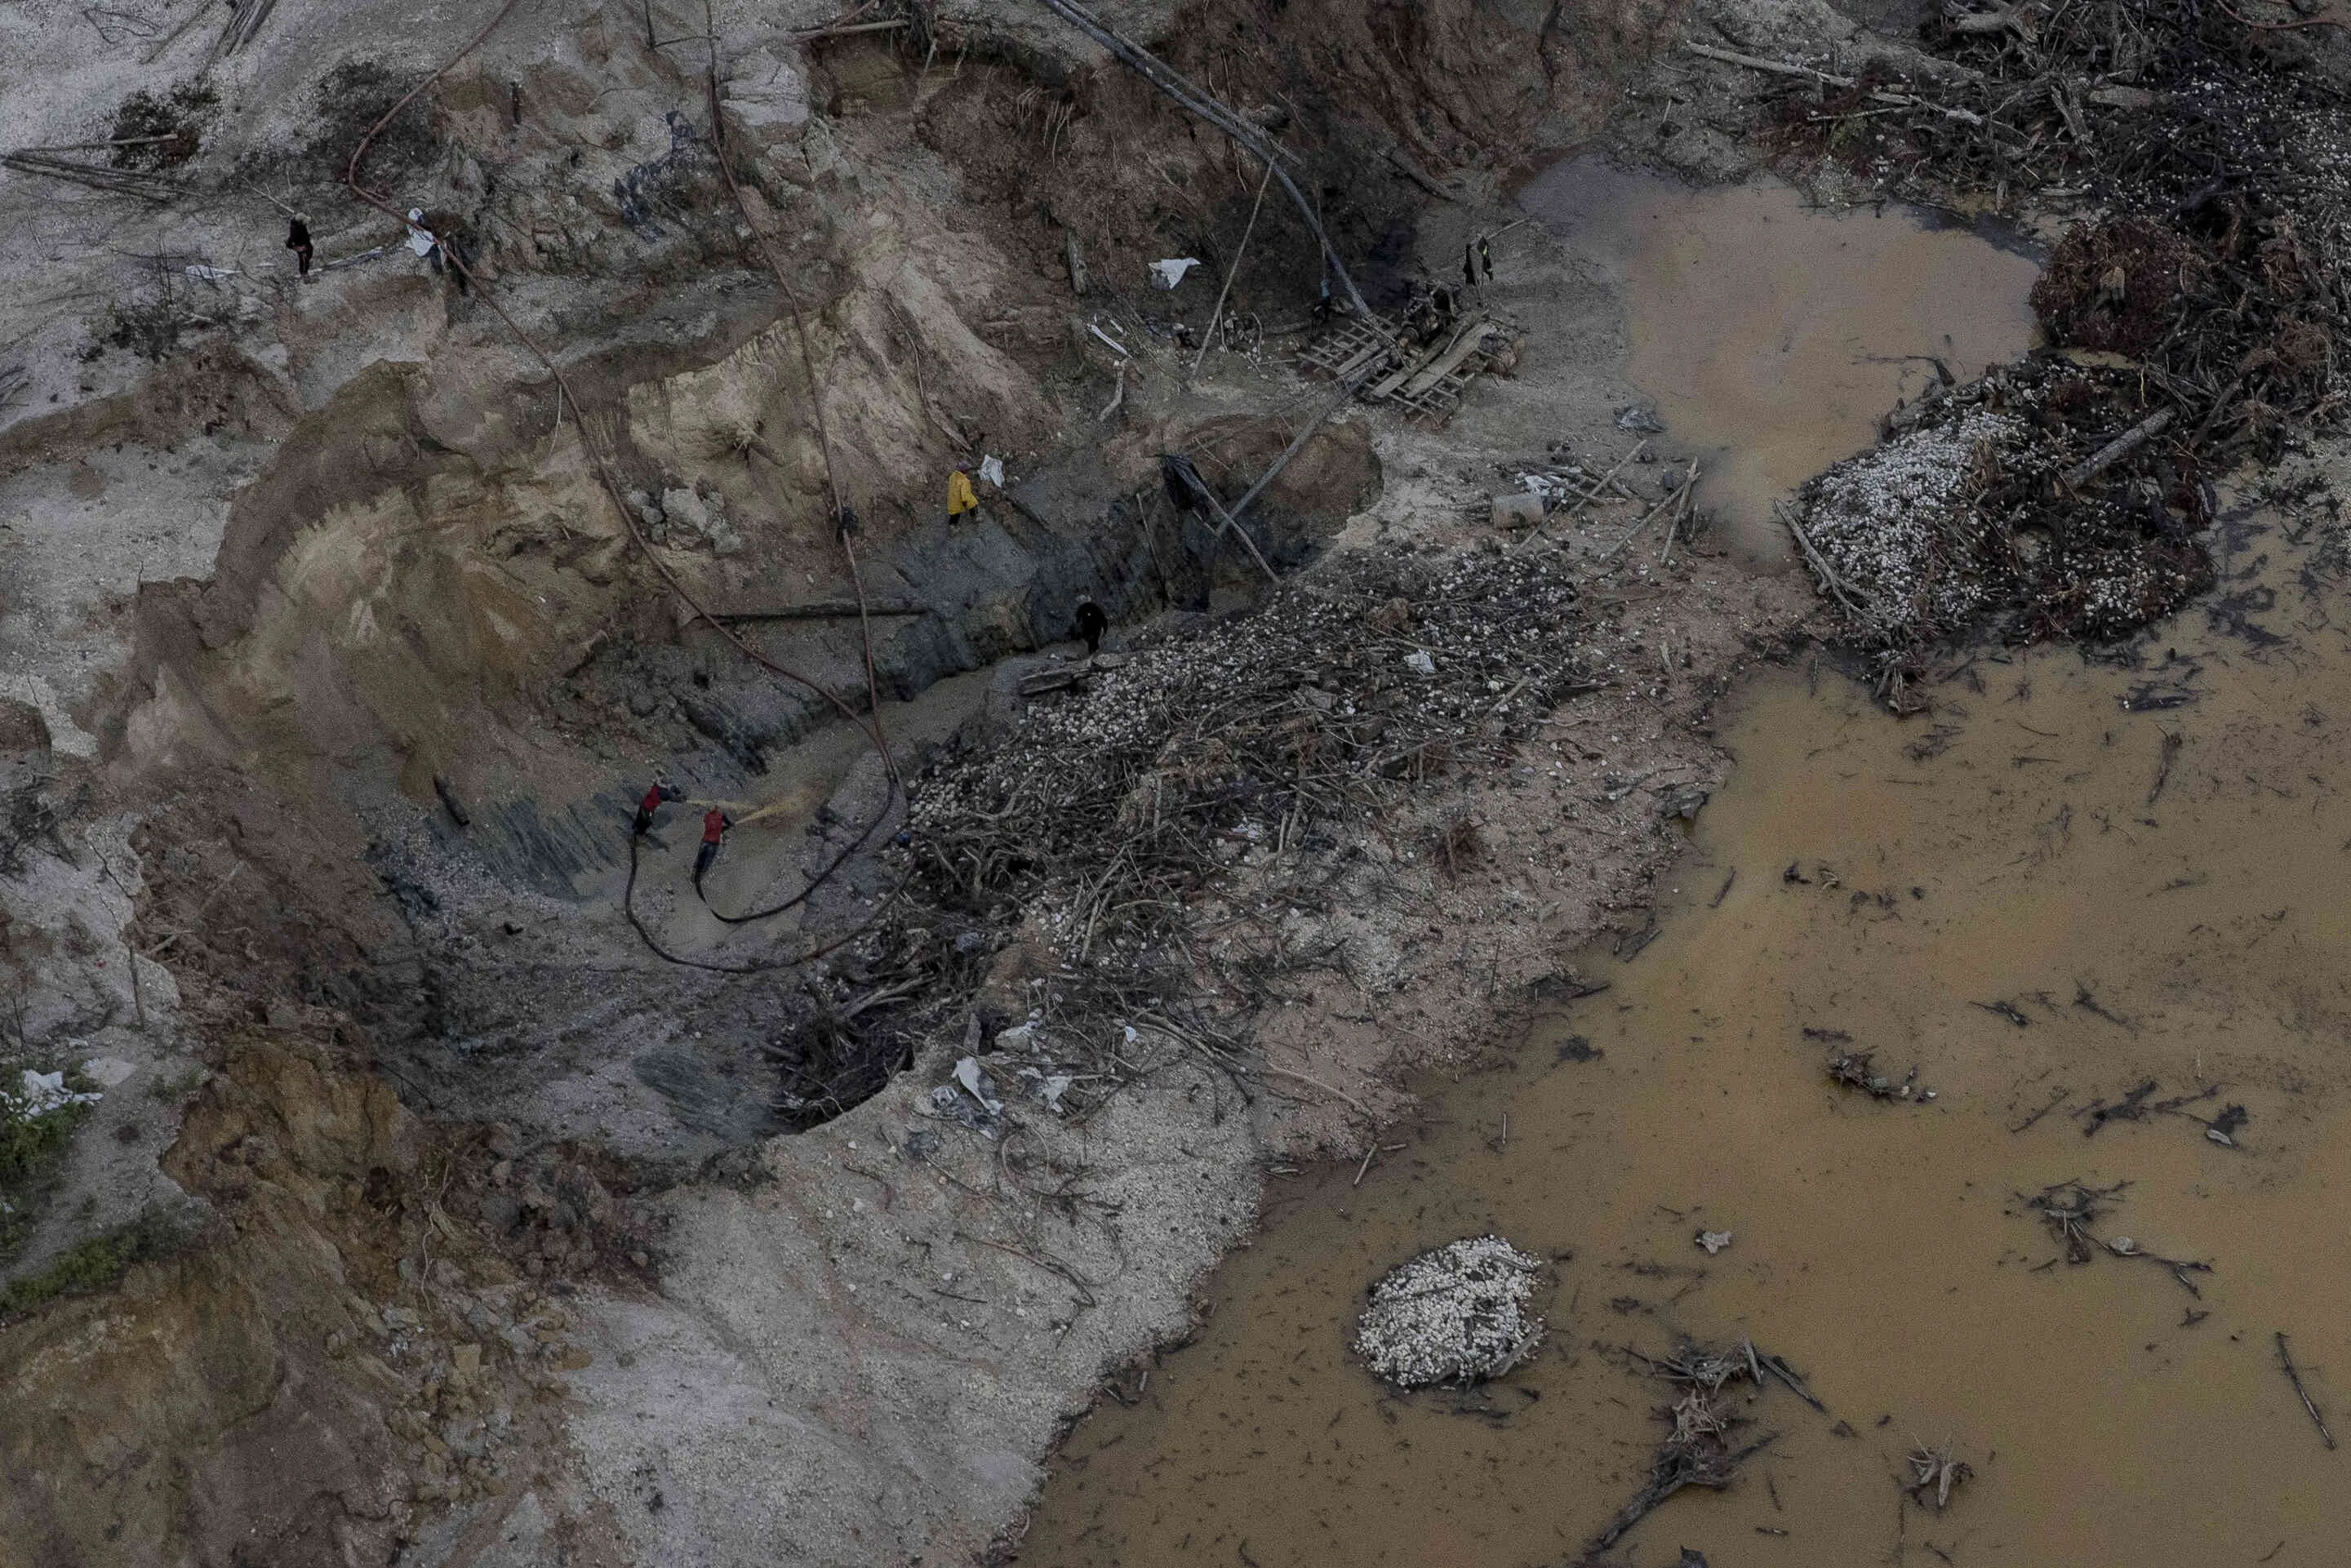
(1096, 825)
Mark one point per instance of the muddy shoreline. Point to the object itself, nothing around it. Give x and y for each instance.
(1920, 891)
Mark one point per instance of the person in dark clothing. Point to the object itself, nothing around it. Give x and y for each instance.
(297, 240)
(461, 263)
(1177, 474)
(1091, 625)
(715, 823)
(653, 802)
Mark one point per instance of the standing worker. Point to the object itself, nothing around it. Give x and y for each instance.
(1478, 261)
(1091, 624)
(653, 802)
(297, 240)
(961, 502)
(422, 240)
(715, 823)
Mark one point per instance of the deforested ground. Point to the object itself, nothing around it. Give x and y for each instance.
(410, 1166)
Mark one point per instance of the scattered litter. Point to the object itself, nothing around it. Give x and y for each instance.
(983, 1111)
(1456, 1314)
(44, 1092)
(1167, 274)
(1963, 517)
(1633, 417)
(2140, 1104)
(204, 274)
(982, 1088)
(1052, 1088)
(1896, 528)
(1713, 1241)
(1510, 511)
(1116, 347)
(1420, 662)
(991, 471)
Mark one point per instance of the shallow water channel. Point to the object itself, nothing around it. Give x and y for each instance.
(1772, 334)
(1887, 881)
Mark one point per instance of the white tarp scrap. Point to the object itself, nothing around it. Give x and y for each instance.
(1167, 274)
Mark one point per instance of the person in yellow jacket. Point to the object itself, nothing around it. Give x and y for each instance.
(961, 502)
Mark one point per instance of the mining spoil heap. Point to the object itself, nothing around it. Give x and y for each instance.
(423, 431)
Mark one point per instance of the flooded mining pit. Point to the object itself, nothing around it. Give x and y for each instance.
(2067, 882)
(2069, 879)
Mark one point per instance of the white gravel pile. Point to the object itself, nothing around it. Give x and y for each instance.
(1899, 523)
(1456, 1314)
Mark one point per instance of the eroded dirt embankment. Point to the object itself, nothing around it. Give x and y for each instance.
(470, 1233)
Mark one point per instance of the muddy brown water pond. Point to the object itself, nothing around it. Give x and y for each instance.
(1771, 333)
(1893, 883)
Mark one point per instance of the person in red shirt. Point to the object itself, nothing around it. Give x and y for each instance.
(715, 823)
(651, 803)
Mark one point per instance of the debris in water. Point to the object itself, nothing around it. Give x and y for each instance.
(1713, 1241)
(2070, 1208)
(2293, 1375)
(1856, 1070)
(1456, 1314)
(1696, 1454)
(1577, 1048)
(1935, 1471)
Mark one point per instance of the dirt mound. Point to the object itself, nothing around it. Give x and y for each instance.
(1456, 1314)
(359, 1337)
(2039, 502)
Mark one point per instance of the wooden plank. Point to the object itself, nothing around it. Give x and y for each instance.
(1471, 340)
